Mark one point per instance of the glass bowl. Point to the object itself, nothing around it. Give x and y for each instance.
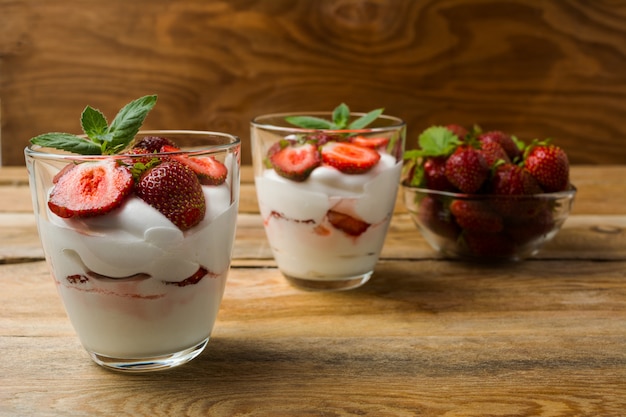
(487, 227)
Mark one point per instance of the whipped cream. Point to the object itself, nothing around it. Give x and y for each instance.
(304, 243)
(121, 275)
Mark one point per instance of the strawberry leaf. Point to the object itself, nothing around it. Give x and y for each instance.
(67, 142)
(437, 141)
(366, 119)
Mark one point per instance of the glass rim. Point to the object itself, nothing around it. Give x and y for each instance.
(35, 150)
(258, 123)
(569, 193)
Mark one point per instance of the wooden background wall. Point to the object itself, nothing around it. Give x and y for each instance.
(537, 68)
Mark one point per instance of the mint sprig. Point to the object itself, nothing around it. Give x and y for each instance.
(340, 120)
(102, 138)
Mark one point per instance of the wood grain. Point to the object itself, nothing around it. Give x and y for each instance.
(538, 69)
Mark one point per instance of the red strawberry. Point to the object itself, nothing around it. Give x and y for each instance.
(90, 189)
(550, 166)
(153, 143)
(510, 179)
(349, 158)
(489, 245)
(467, 169)
(476, 216)
(458, 130)
(432, 215)
(174, 189)
(346, 223)
(322, 138)
(374, 143)
(209, 170)
(492, 152)
(502, 139)
(294, 161)
(435, 174)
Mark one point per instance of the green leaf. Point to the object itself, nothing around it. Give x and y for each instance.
(366, 119)
(310, 122)
(341, 116)
(128, 121)
(67, 142)
(437, 141)
(94, 123)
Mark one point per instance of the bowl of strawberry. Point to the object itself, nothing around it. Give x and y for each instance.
(486, 195)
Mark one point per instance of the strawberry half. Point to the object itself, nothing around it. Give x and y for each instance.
(349, 158)
(173, 189)
(90, 189)
(295, 161)
(209, 170)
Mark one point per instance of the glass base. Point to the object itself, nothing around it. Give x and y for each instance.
(339, 284)
(150, 364)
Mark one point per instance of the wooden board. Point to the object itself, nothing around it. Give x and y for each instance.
(535, 68)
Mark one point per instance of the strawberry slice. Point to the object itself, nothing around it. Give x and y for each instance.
(209, 170)
(373, 143)
(346, 223)
(90, 189)
(295, 161)
(349, 158)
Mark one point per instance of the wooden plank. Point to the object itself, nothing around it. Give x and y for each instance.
(418, 339)
(537, 69)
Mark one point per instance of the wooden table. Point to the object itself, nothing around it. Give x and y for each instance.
(426, 336)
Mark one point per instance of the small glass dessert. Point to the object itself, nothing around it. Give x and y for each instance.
(138, 233)
(326, 185)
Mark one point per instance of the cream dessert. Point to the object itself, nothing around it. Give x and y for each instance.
(326, 189)
(138, 230)
(134, 284)
(303, 220)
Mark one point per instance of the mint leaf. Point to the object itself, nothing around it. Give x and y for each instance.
(128, 121)
(341, 115)
(67, 142)
(437, 141)
(94, 125)
(310, 122)
(366, 119)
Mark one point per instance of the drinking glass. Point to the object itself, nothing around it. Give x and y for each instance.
(326, 232)
(141, 293)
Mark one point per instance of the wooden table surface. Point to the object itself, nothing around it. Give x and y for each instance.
(426, 336)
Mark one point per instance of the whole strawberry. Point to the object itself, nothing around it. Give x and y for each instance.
(467, 169)
(435, 174)
(511, 179)
(549, 165)
(503, 139)
(173, 189)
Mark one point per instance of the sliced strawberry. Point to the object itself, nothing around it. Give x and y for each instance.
(373, 143)
(349, 158)
(174, 189)
(192, 280)
(346, 223)
(90, 189)
(295, 161)
(209, 170)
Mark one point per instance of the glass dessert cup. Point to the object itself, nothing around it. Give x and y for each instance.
(141, 294)
(515, 227)
(326, 232)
